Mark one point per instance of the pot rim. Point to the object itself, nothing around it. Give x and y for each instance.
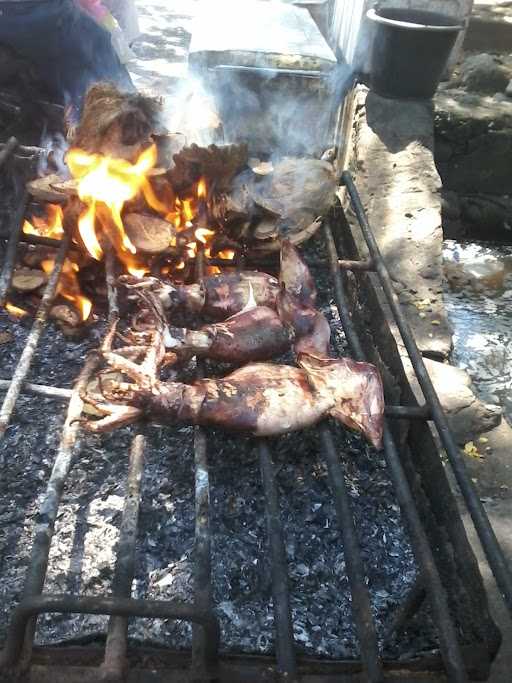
(396, 23)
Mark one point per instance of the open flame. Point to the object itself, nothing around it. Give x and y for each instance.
(105, 185)
(69, 287)
(50, 226)
(111, 182)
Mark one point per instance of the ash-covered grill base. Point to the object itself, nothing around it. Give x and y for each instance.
(83, 550)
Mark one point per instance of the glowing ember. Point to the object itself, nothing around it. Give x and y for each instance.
(15, 310)
(69, 287)
(201, 189)
(213, 270)
(51, 226)
(227, 254)
(180, 265)
(202, 234)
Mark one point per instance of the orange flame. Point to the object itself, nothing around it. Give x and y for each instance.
(201, 189)
(69, 287)
(51, 226)
(227, 254)
(202, 234)
(111, 183)
(15, 310)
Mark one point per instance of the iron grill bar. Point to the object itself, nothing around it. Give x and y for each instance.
(285, 651)
(492, 548)
(450, 648)
(116, 646)
(12, 246)
(38, 390)
(121, 607)
(36, 571)
(33, 338)
(361, 605)
(202, 542)
(7, 149)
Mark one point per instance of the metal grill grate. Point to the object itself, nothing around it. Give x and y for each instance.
(205, 664)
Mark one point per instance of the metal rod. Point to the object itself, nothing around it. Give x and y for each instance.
(361, 606)
(366, 265)
(38, 240)
(7, 149)
(36, 571)
(33, 338)
(285, 652)
(202, 543)
(12, 245)
(114, 663)
(493, 551)
(450, 648)
(38, 389)
(409, 607)
(110, 280)
(121, 607)
(408, 412)
(24, 149)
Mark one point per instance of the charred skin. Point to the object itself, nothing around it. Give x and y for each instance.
(294, 276)
(229, 293)
(262, 399)
(310, 329)
(224, 295)
(253, 335)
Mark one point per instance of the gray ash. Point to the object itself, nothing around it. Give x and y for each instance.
(84, 547)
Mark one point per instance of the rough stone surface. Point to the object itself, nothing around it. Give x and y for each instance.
(466, 413)
(399, 185)
(473, 148)
(483, 73)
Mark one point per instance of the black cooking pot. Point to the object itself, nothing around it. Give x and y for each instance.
(410, 50)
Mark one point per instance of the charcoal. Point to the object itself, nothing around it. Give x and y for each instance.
(83, 552)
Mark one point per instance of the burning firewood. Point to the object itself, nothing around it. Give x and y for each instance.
(28, 280)
(218, 165)
(116, 124)
(42, 189)
(148, 234)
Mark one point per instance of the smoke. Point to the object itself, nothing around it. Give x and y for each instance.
(274, 113)
(55, 146)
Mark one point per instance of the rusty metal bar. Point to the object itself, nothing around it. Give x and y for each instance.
(36, 572)
(450, 647)
(285, 652)
(493, 551)
(7, 149)
(361, 605)
(364, 266)
(33, 338)
(201, 661)
(120, 607)
(114, 663)
(38, 390)
(12, 245)
(409, 607)
(408, 412)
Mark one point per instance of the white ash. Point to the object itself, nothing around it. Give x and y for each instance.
(83, 551)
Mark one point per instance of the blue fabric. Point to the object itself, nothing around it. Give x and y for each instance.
(69, 50)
